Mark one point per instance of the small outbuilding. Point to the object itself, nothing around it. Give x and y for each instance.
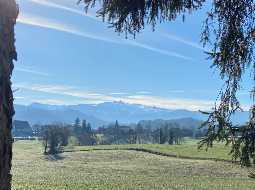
(22, 129)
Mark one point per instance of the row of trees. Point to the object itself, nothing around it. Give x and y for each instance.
(81, 133)
(170, 133)
(56, 136)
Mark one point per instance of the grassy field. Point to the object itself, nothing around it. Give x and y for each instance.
(188, 149)
(122, 169)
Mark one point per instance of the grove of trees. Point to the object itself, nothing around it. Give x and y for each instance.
(57, 136)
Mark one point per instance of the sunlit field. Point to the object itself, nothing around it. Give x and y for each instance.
(189, 149)
(115, 167)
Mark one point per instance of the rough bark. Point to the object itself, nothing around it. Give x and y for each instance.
(8, 16)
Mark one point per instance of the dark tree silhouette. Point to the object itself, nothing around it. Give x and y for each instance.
(54, 137)
(162, 136)
(8, 15)
(231, 25)
(131, 16)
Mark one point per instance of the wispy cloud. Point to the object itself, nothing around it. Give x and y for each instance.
(31, 71)
(145, 46)
(55, 25)
(183, 41)
(118, 93)
(65, 91)
(158, 50)
(170, 103)
(64, 8)
(143, 92)
(89, 97)
(20, 97)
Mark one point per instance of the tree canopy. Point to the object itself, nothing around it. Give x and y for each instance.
(229, 30)
(132, 15)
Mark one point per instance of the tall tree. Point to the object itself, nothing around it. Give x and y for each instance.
(139, 132)
(77, 122)
(116, 132)
(171, 137)
(162, 136)
(8, 15)
(84, 125)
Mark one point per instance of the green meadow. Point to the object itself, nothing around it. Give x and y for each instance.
(117, 167)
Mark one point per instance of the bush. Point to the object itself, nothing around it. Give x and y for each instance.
(54, 137)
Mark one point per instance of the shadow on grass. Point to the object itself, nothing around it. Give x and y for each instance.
(156, 153)
(53, 157)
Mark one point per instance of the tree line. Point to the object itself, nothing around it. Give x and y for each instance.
(57, 136)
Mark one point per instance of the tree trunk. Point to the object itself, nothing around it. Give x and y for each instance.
(8, 16)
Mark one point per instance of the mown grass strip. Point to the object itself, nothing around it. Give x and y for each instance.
(155, 153)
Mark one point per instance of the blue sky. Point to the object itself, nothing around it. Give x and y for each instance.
(68, 57)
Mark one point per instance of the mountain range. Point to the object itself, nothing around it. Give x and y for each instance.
(104, 113)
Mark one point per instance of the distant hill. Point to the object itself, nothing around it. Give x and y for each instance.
(132, 113)
(41, 115)
(188, 123)
(104, 113)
